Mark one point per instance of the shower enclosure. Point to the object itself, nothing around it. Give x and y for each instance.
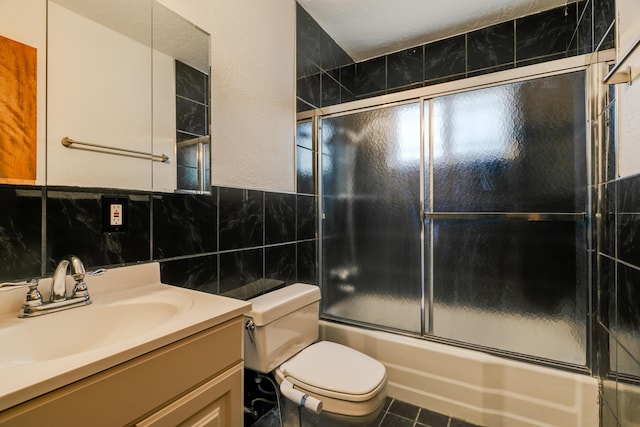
(463, 217)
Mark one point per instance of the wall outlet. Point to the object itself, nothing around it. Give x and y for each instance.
(114, 214)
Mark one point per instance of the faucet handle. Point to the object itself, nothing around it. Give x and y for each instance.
(33, 298)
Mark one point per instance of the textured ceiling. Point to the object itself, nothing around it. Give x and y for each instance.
(370, 28)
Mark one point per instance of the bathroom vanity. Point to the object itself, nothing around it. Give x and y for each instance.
(149, 355)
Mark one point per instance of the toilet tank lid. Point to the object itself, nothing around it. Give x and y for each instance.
(276, 304)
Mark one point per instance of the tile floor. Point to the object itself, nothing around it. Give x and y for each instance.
(395, 414)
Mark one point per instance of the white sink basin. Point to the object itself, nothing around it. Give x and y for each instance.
(132, 313)
(43, 338)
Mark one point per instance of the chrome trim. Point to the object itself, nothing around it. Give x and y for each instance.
(623, 76)
(68, 142)
(523, 216)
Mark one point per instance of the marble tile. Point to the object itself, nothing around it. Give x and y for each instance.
(20, 232)
(628, 219)
(445, 58)
(240, 268)
(544, 34)
(241, 218)
(306, 262)
(191, 83)
(306, 218)
(432, 419)
(607, 224)
(191, 116)
(604, 14)
(490, 47)
(627, 330)
(370, 77)
(280, 218)
(308, 89)
(405, 67)
(74, 226)
(280, 263)
(330, 90)
(183, 224)
(314, 42)
(199, 273)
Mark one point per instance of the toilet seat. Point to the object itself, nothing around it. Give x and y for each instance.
(347, 381)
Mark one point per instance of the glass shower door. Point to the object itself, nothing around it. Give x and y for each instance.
(509, 233)
(372, 216)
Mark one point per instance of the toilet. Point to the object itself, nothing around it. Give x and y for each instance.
(336, 385)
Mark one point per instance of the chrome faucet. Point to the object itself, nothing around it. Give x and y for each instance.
(34, 306)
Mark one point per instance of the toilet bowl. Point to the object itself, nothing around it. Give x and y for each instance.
(280, 338)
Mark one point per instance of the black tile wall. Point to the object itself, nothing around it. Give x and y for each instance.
(577, 28)
(20, 232)
(183, 224)
(241, 218)
(74, 226)
(258, 235)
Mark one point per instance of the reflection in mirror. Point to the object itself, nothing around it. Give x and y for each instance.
(99, 91)
(112, 81)
(181, 80)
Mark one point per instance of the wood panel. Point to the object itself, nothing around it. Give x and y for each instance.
(18, 111)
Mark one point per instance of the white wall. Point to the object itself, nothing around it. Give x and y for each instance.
(628, 98)
(253, 94)
(13, 15)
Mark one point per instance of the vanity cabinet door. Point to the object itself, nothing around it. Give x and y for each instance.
(216, 403)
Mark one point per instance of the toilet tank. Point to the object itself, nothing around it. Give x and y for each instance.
(279, 325)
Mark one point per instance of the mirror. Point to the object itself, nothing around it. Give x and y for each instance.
(112, 76)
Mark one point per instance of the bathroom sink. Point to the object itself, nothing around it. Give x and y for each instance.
(73, 331)
(132, 313)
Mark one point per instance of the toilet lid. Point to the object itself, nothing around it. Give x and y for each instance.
(334, 370)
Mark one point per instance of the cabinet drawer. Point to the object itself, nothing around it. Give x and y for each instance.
(217, 402)
(127, 392)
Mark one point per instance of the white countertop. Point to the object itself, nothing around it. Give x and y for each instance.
(101, 343)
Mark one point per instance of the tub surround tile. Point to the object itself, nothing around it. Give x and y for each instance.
(490, 47)
(241, 218)
(627, 330)
(603, 17)
(558, 33)
(20, 232)
(445, 58)
(628, 219)
(405, 67)
(184, 224)
(544, 34)
(370, 77)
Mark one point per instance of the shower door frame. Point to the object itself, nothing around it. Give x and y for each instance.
(594, 66)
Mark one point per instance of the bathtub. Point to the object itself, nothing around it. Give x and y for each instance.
(479, 388)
